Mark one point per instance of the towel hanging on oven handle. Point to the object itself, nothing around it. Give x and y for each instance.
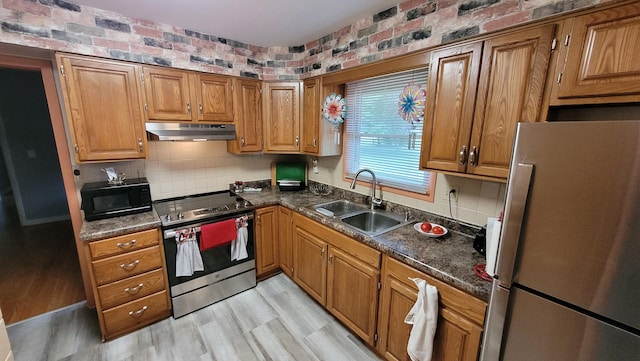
(172, 232)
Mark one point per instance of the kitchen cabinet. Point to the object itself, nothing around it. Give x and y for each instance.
(248, 117)
(103, 102)
(340, 273)
(311, 115)
(267, 256)
(285, 240)
(460, 316)
(179, 95)
(319, 137)
(281, 112)
(599, 58)
(476, 94)
(129, 281)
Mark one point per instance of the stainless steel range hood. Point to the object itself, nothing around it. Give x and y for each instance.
(188, 131)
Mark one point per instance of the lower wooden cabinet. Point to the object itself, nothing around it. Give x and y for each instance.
(460, 316)
(267, 257)
(339, 272)
(285, 239)
(128, 275)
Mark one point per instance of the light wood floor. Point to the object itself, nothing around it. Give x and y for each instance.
(39, 269)
(274, 321)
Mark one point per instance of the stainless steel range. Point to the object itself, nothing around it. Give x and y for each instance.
(209, 248)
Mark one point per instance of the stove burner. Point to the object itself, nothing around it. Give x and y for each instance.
(211, 210)
(199, 207)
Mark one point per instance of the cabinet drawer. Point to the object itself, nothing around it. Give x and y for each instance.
(136, 313)
(126, 265)
(132, 288)
(124, 243)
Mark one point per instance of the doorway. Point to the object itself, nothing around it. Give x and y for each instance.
(40, 267)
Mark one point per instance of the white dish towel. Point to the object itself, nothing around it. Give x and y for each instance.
(239, 245)
(188, 258)
(424, 318)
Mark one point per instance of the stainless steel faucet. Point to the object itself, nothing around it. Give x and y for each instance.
(374, 201)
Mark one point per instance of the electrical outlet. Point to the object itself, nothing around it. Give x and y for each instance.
(454, 195)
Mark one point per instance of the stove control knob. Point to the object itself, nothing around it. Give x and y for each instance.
(180, 215)
(167, 217)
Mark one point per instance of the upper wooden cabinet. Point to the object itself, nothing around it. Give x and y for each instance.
(281, 111)
(319, 137)
(248, 117)
(104, 108)
(460, 316)
(311, 116)
(477, 93)
(600, 62)
(178, 95)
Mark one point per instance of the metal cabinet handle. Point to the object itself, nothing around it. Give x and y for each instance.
(242, 141)
(322, 253)
(297, 140)
(188, 108)
(140, 145)
(138, 312)
(258, 220)
(463, 155)
(126, 245)
(129, 266)
(200, 107)
(473, 156)
(330, 259)
(133, 290)
(315, 142)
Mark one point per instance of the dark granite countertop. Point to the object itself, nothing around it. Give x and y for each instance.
(111, 227)
(449, 258)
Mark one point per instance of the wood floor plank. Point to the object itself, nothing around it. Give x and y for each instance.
(274, 321)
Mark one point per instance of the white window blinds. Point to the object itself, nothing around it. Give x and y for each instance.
(376, 137)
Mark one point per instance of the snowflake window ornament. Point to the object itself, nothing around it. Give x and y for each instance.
(411, 103)
(334, 109)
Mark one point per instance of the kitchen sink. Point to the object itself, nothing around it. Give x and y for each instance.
(374, 222)
(338, 208)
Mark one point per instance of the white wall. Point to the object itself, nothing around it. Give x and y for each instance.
(477, 199)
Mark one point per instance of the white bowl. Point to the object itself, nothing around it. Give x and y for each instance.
(430, 234)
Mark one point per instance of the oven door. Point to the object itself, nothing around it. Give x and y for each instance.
(217, 262)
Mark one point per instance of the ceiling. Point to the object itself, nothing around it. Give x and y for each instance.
(255, 22)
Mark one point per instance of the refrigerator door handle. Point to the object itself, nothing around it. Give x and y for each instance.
(516, 202)
(494, 325)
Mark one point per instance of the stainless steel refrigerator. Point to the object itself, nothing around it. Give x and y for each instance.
(567, 280)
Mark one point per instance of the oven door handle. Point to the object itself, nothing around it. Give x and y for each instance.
(171, 233)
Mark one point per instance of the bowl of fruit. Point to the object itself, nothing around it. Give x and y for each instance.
(430, 229)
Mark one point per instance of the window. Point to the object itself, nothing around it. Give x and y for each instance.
(376, 137)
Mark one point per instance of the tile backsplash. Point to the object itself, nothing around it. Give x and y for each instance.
(182, 168)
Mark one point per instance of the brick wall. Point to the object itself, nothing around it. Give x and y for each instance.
(409, 26)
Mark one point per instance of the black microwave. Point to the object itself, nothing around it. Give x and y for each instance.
(102, 200)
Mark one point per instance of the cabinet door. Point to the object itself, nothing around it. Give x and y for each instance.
(285, 239)
(512, 83)
(104, 107)
(168, 94)
(311, 116)
(460, 316)
(267, 240)
(248, 117)
(282, 117)
(602, 59)
(310, 264)
(214, 97)
(451, 93)
(352, 293)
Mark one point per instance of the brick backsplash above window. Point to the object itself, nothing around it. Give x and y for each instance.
(411, 25)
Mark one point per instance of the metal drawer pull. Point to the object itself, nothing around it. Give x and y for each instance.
(133, 290)
(138, 312)
(129, 244)
(129, 266)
